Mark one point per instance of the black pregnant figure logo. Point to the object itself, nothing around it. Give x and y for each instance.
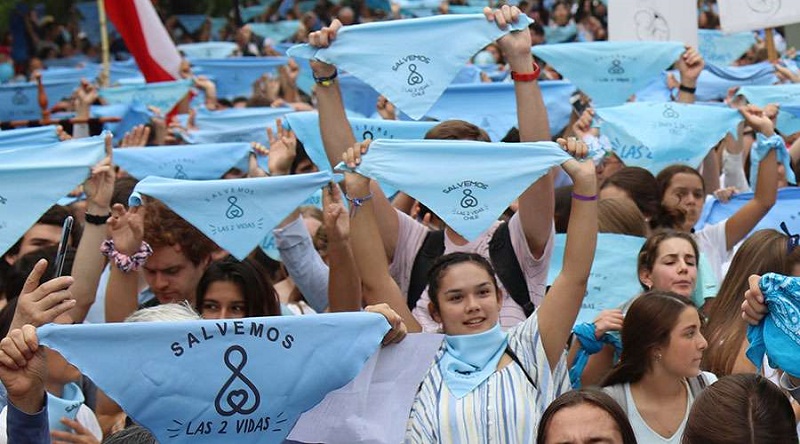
(234, 211)
(244, 400)
(616, 67)
(414, 78)
(179, 173)
(670, 113)
(19, 97)
(469, 201)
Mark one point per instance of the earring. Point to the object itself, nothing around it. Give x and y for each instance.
(658, 357)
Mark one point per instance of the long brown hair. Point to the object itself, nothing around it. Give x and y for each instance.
(593, 397)
(647, 325)
(763, 252)
(649, 252)
(672, 217)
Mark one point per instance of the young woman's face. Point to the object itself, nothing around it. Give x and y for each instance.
(685, 192)
(223, 300)
(583, 423)
(686, 346)
(468, 300)
(675, 268)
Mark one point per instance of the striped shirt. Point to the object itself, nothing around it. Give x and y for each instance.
(504, 409)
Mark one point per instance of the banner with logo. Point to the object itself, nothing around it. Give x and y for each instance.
(748, 15)
(198, 162)
(653, 20)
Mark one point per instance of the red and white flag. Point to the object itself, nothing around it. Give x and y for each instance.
(146, 38)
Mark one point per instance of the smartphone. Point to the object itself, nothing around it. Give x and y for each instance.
(66, 229)
(578, 106)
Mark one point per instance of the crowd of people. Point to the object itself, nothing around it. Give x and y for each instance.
(672, 364)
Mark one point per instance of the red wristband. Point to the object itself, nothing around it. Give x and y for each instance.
(527, 76)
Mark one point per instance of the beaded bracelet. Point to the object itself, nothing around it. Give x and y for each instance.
(124, 262)
(356, 202)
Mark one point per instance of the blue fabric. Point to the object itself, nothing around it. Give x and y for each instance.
(468, 74)
(196, 162)
(217, 24)
(786, 209)
(655, 91)
(162, 95)
(19, 138)
(276, 31)
(20, 100)
(464, 9)
(411, 62)
(655, 135)
(136, 114)
(759, 151)
(90, 19)
(778, 334)
(27, 429)
(585, 333)
(66, 62)
(358, 97)
(32, 180)
(193, 381)
(238, 213)
(468, 184)
(192, 22)
(491, 106)
(251, 12)
(306, 127)
(208, 50)
(715, 81)
(613, 279)
(789, 118)
(234, 76)
(780, 94)
(72, 74)
(723, 49)
(469, 360)
(418, 8)
(65, 406)
(254, 133)
(239, 117)
(610, 72)
(560, 34)
(494, 72)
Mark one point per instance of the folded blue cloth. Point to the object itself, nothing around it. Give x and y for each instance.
(411, 62)
(22, 137)
(253, 133)
(237, 213)
(759, 151)
(162, 95)
(468, 184)
(33, 179)
(208, 50)
(136, 114)
(655, 135)
(780, 94)
(469, 360)
(21, 100)
(585, 333)
(192, 22)
(276, 31)
(778, 334)
(610, 72)
(239, 117)
(560, 34)
(196, 162)
(715, 81)
(723, 49)
(234, 76)
(784, 210)
(258, 374)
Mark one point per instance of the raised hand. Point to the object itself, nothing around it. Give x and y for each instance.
(758, 120)
(335, 218)
(40, 304)
(515, 46)
(100, 185)
(137, 137)
(690, 65)
(23, 368)
(127, 228)
(322, 39)
(282, 149)
(386, 109)
(398, 329)
(583, 126)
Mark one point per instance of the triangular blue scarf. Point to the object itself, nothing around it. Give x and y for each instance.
(19, 138)
(136, 114)
(497, 112)
(784, 210)
(468, 360)
(414, 73)
(192, 22)
(780, 94)
(250, 12)
(238, 213)
(715, 81)
(32, 180)
(20, 100)
(244, 381)
(208, 50)
(162, 95)
(467, 184)
(723, 49)
(196, 162)
(66, 406)
(276, 31)
(656, 135)
(306, 126)
(759, 151)
(234, 76)
(610, 72)
(358, 97)
(613, 279)
(560, 34)
(253, 133)
(239, 117)
(778, 335)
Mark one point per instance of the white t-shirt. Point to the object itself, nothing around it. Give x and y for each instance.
(713, 245)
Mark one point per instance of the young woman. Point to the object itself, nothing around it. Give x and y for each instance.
(763, 252)
(663, 348)
(585, 415)
(231, 289)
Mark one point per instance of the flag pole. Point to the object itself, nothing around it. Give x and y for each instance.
(104, 74)
(769, 37)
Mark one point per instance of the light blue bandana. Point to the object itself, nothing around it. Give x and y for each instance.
(414, 74)
(276, 31)
(72, 74)
(136, 114)
(254, 133)
(66, 406)
(585, 333)
(613, 279)
(759, 151)
(244, 381)
(714, 81)
(723, 49)
(778, 335)
(20, 100)
(610, 72)
(196, 162)
(208, 50)
(469, 360)
(655, 91)
(468, 184)
(238, 213)
(240, 118)
(192, 22)
(497, 112)
(162, 95)
(19, 138)
(32, 180)
(786, 209)
(780, 94)
(468, 74)
(358, 97)
(560, 34)
(234, 76)
(656, 135)
(250, 12)
(306, 126)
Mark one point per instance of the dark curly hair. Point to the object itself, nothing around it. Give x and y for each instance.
(164, 228)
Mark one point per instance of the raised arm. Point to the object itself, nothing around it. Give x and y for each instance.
(89, 262)
(560, 307)
(766, 188)
(537, 203)
(690, 65)
(127, 232)
(378, 285)
(344, 283)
